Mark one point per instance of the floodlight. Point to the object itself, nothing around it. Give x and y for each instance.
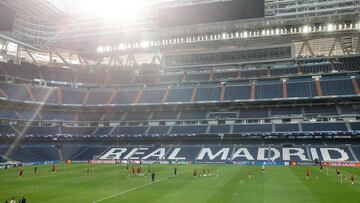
(144, 44)
(114, 10)
(245, 34)
(306, 29)
(99, 49)
(330, 27)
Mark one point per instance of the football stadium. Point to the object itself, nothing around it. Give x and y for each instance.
(179, 101)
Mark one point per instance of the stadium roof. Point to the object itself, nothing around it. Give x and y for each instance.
(68, 25)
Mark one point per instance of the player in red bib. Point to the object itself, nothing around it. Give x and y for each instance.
(195, 174)
(21, 172)
(132, 169)
(308, 174)
(139, 169)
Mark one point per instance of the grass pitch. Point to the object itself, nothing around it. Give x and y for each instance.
(228, 183)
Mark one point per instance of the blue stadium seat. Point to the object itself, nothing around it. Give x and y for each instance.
(158, 130)
(125, 97)
(254, 113)
(164, 115)
(73, 96)
(152, 96)
(137, 116)
(208, 94)
(237, 92)
(219, 129)
(268, 90)
(100, 96)
(188, 115)
(252, 128)
(286, 128)
(179, 95)
(189, 129)
(324, 127)
(337, 86)
(301, 88)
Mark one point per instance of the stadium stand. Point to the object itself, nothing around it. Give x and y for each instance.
(198, 98)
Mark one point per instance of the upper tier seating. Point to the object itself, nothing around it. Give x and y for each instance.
(123, 77)
(263, 90)
(176, 130)
(308, 111)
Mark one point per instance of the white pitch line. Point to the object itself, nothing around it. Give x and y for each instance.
(132, 189)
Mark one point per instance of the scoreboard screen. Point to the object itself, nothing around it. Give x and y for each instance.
(7, 16)
(211, 12)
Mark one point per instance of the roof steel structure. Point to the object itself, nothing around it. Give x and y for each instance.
(48, 25)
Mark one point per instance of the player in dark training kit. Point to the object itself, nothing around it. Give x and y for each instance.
(308, 174)
(352, 178)
(53, 169)
(175, 171)
(338, 173)
(153, 176)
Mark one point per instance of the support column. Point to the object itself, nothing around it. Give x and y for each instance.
(165, 95)
(222, 94)
(86, 97)
(193, 95)
(3, 93)
(239, 75)
(31, 56)
(355, 84)
(318, 86)
(30, 94)
(62, 58)
(253, 85)
(284, 88)
(111, 98)
(59, 94)
(268, 71)
(184, 77)
(298, 68)
(138, 96)
(211, 76)
(333, 47)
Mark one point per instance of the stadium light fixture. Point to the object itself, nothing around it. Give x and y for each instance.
(263, 32)
(144, 44)
(277, 31)
(245, 34)
(99, 49)
(306, 29)
(330, 27)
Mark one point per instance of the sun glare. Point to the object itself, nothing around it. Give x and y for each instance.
(114, 10)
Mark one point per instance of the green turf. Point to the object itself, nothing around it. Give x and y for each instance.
(111, 183)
